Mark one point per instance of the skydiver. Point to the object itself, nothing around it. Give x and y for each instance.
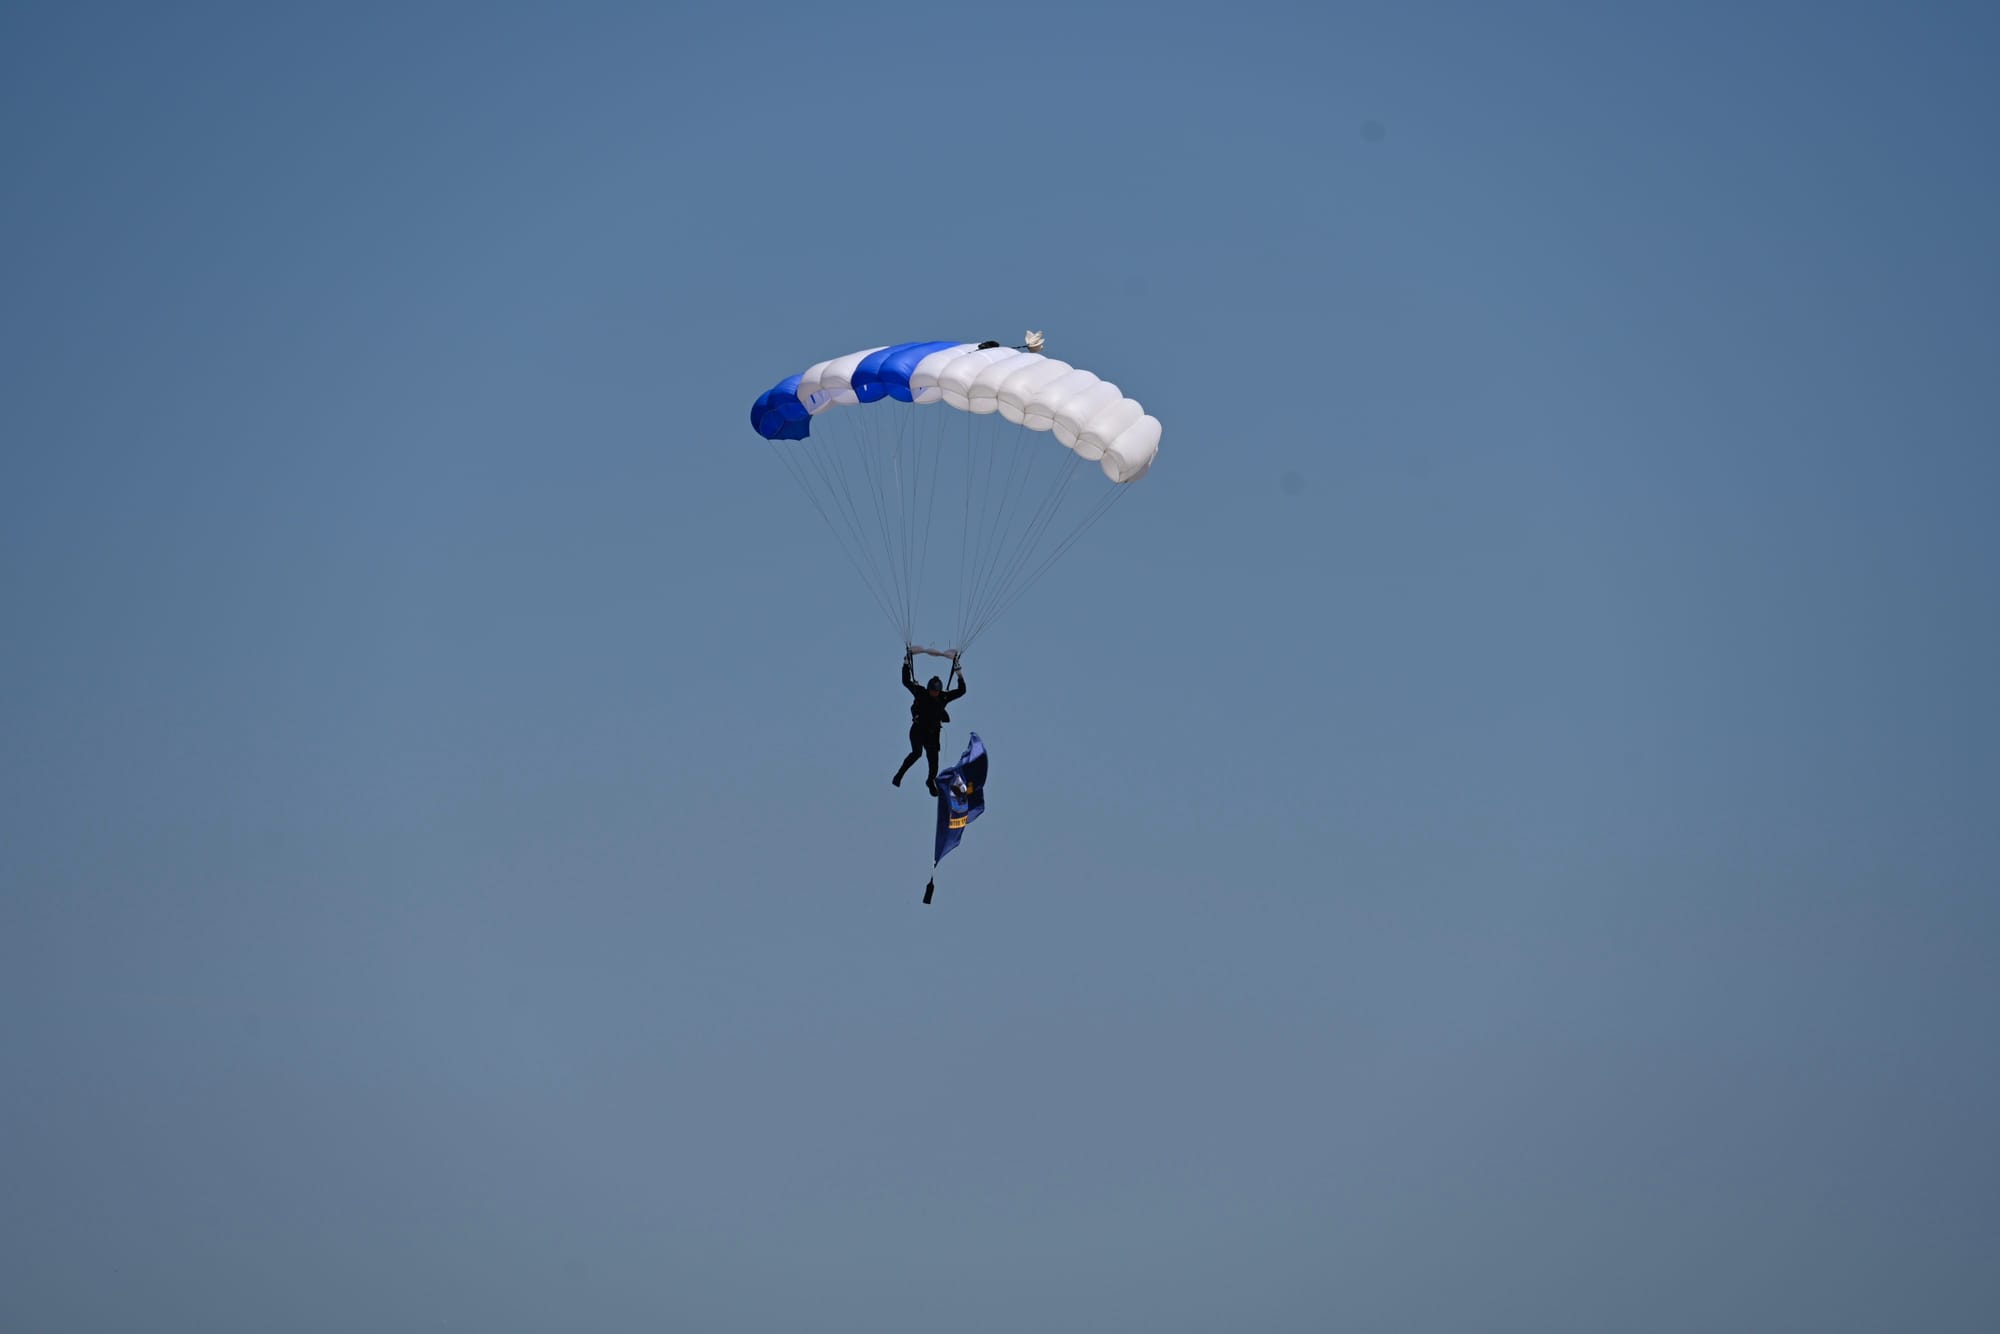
(927, 717)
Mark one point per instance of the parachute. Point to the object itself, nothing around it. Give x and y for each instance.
(862, 437)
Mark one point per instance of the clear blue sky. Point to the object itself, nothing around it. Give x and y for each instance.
(1538, 874)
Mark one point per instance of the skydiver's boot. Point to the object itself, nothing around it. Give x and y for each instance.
(931, 783)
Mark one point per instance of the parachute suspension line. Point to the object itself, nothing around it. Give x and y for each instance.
(979, 475)
(868, 434)
(893, 468)
(877, 573)
(1038, 522)
(1097, 512)
(903, 476)
(874, 572)
(963, 528)
(871, 534)
(896, 470)
(930, 503)
(858, 555)
(913, 570)
(798, 475)
(1020, 450)
(909, 471)
(993, 510)
(1006, 543)
(982, 456)
(1011, 490)
(1031, 538)
(891, 566)
(906, 506)
(985, 525)
(1051, 506)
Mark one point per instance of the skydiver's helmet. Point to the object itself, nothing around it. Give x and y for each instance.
(934, 685)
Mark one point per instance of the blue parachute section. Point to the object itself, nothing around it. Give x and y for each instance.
(779, 415)
(887, 373)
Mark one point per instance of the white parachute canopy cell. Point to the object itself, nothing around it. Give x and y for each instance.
(864, 437)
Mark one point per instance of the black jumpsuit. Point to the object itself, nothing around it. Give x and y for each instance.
(927, 718)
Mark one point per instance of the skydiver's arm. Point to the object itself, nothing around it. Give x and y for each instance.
(910, 677)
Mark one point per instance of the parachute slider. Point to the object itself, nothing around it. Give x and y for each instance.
(914, 649)
(1032, 342)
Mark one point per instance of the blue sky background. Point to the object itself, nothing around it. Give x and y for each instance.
(1534, 871)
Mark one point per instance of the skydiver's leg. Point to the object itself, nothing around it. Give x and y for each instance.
(931, 754)
(916, 750)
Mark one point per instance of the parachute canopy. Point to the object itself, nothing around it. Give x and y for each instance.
(860, 436)
(1088, 415)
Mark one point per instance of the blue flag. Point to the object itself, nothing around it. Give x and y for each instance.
(961, 799)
